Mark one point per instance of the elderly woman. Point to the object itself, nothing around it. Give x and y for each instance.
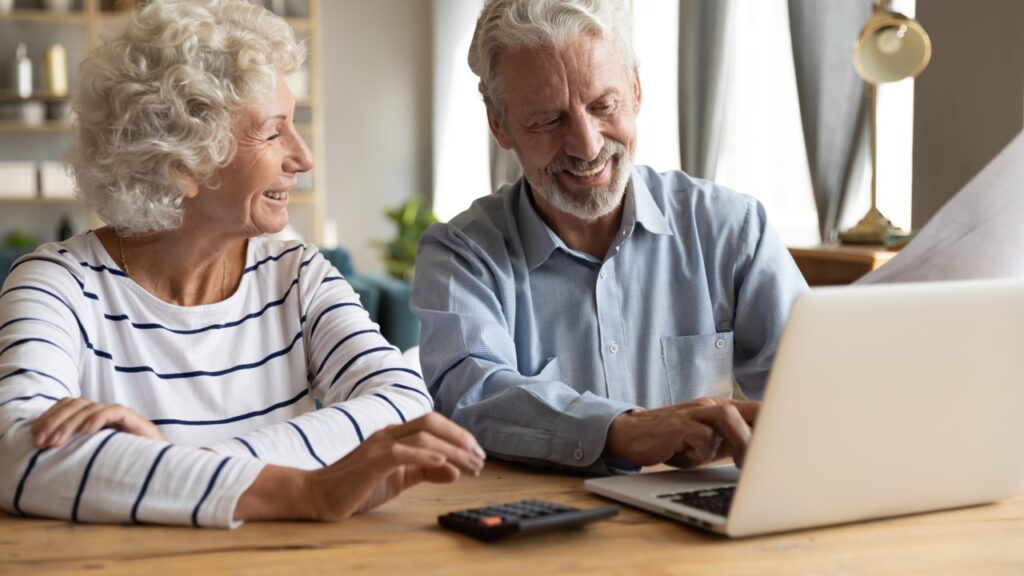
(168, 368)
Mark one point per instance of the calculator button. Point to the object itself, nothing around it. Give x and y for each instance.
(491, 521)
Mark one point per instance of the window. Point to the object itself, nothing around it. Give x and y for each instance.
(762, 151)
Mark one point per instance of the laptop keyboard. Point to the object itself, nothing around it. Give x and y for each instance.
(714, 500)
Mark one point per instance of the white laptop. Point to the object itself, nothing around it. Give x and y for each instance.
(883, 400)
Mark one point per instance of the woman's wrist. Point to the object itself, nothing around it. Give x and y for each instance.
(279, 493)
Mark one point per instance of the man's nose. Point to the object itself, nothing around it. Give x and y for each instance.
(583, 138)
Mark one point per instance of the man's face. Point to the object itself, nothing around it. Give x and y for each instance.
(570, 116)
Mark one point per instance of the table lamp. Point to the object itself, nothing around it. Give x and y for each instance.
(891, 47)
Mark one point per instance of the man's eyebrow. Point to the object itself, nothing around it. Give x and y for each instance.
(544, 112)
(607, 93)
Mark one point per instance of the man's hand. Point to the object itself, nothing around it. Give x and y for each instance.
(684, 435)
(71, 416)
(431, 448)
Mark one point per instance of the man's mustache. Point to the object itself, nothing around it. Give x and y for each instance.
(565, 162)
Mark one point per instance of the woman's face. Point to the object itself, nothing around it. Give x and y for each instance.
(250, 194)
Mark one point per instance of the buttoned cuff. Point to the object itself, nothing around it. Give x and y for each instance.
(582, 431)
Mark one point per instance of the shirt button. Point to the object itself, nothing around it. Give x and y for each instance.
(720, 343)
(613, 348)
(604, 274)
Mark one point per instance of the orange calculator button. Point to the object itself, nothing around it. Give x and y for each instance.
(490, 520)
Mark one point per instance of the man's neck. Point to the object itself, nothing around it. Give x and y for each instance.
(592, 237)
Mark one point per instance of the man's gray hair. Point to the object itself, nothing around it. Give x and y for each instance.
(157, 103)
(525, 24)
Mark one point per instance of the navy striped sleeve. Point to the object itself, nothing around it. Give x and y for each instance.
(85, 476)
(206, 494)
(145, 484)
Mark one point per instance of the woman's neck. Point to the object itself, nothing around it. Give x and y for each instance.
(179, 267)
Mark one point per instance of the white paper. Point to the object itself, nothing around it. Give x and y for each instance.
(978, 234)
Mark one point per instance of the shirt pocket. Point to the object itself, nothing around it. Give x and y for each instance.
(698, 366)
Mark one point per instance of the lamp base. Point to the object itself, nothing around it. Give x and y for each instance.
(873, 228)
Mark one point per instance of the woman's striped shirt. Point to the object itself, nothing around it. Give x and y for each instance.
(243, 378)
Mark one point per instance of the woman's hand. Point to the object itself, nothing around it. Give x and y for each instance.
(70, 416)
(431, 448)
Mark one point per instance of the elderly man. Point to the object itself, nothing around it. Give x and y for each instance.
(594, 314)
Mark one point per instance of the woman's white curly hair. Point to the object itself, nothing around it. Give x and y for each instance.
(157, 102)
(524, 24)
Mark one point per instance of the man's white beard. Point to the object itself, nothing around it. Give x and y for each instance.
(594, 202)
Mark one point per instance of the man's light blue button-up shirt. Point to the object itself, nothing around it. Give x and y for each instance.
(536, 348)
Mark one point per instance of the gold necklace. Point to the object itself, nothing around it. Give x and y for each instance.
(223, 269)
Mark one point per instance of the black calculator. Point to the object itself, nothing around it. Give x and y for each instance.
(524, 517)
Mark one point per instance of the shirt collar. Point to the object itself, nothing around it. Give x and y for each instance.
(539, 241)
(647, 212)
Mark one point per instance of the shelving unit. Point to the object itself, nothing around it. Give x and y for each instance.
(79, 30)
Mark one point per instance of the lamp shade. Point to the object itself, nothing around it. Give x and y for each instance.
(891, 47)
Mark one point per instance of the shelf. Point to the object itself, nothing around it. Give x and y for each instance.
(48, 127)
(109, 16)
(12, 96)
(74, 17)
(37, 201)
(96, 18)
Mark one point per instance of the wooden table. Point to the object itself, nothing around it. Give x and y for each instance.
(830, 265)
(402, 537)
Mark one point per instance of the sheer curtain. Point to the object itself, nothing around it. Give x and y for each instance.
(656, 42)
(762, 147)
(461, 139)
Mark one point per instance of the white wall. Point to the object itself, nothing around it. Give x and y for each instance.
(377, 108)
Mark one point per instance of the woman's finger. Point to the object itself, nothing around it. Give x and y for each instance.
(109, 417)
(52, 417)
(441, 427)
(73, 423)
(441, 475)
(52, 422)
(465, 460)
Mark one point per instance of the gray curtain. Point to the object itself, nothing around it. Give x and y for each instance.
(831, 96)
(705, 45)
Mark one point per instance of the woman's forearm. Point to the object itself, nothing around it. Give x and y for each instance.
(279, 493)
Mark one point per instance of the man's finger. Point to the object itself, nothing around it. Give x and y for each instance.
(749, 409)
(727, 421)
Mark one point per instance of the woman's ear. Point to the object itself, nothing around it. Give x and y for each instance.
(186, 181)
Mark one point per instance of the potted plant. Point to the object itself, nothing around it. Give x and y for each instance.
(412, 218)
